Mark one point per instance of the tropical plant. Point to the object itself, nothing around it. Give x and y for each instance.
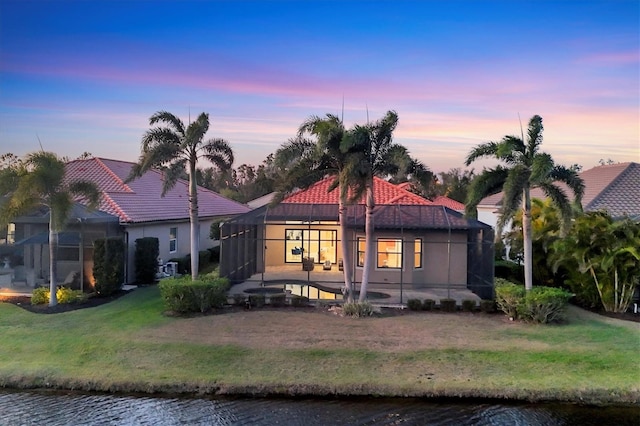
(526, 168)
(606, 253)
(375, 154)
(39, 181)
(304, 162)
(172, 147)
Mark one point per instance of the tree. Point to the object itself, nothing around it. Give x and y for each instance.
(375, 154)
(173, 148)
(304, 162)
(526, 168)
(39, 181)
(607, 255)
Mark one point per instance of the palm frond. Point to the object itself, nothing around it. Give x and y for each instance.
(534, 135)
(168, 119)
(87, 190)
(541, 168)
(511, 150)
(159, 136)
(60, 205)
(171, 174)
(489, 182)
(572, 179)
(195, 133)
(561, 202)
(488, 149)
(219, 152)
(517, 180)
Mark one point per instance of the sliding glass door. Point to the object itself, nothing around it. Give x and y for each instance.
(319, 244)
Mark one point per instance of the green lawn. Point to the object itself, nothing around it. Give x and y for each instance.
(129, 345)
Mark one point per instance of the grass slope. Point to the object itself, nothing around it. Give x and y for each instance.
(129, 345)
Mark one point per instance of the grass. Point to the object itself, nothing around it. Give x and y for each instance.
(129, 345)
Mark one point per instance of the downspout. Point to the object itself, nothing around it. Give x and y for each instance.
(397, 208)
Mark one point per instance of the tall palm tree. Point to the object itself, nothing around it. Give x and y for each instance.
(174, 148)
(306, 161)
(377, 155)
(526, 168)
(39, 181)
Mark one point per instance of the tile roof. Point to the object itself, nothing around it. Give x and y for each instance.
(441, 200)
(141, 200)
(614, 188)
(384, 193)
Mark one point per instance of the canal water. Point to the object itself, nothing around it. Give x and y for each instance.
(39, 408)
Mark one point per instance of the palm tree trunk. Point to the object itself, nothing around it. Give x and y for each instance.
(369, 246)
(347, 264)
(53, 262)
(527, 239)
(193, 219)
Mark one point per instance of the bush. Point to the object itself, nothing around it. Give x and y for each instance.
(468, 305)
(487, 306)
(508, 297)
(108, 265)
(357, 310)
(448, 305)
(182, 295)
(40, 296)
(508, 270)
(214, 254)
(414, 304)
(184, 264)
(256, 300)
(146, 259)
(299, 301)
(543, 305)
(428, 304)
(278, 300)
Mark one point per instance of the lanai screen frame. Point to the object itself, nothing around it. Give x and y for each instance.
(243, 236)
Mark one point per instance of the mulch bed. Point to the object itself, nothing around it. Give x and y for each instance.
(25, 303)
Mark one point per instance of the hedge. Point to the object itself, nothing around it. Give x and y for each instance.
(182, 295)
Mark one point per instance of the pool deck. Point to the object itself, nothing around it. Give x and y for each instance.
(334, 279)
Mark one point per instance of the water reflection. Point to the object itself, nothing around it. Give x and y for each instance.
(33, 408)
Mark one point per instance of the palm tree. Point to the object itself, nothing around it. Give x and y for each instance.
(38, 181)
(305, 162)
(377, 156)
(174, 147)
(526, 168)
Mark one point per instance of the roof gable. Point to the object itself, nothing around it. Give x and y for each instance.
(141, 200)
(384, 193)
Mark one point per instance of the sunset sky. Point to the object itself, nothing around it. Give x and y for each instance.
(86, 75)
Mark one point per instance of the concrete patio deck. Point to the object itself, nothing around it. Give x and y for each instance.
(398, 295)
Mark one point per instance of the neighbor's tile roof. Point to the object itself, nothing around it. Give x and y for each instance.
(441, 200)
(384, 193)
(614, 188)
(141, 200)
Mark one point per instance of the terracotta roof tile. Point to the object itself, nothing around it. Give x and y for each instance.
(441, 200)
(384, 193)
(141, 200)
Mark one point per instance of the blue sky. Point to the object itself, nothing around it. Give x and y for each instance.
(86, 75)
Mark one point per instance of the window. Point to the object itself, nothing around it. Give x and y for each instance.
(173, 240)
(417, 254)
(389, 253)
(361, 247)
(318, 244)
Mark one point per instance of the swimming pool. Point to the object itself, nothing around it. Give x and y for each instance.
(311, 291)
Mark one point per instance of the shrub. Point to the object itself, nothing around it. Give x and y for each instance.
(278, 300)
(183, 264)
(414, 304)
(299, 301)
(487, 306)
(146, 259)
(508, 297)
(108, 265)
(428, 304)
(40, 296)
(214, 254)
(508, 270)
(357, 310)
(468, 305)
(182, 295)
(544, 305)
(256, 300)
(448, 305)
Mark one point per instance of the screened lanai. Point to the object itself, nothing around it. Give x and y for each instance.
(416, 246)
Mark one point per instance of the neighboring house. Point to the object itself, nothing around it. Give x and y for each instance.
(418, 244)
(132, 210)
(613, 188)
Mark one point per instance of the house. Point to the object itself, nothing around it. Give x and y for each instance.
(418, 244)
(132, 210)
(614, 188)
